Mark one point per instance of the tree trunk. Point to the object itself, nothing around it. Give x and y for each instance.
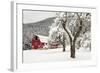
(64, 48)
(72, 44)
(63, 44)
(72, 49)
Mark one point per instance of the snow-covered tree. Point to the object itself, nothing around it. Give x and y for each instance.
(57, 34)
(77, 30)
(77, 26)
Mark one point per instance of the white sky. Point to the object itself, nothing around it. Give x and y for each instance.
(34, 16)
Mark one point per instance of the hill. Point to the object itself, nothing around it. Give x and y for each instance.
(37, 28)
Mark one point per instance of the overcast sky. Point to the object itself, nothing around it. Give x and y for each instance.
(34, 16)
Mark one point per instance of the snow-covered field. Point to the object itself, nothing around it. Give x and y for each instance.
(51, 55)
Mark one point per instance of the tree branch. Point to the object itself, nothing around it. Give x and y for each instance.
(80, 28)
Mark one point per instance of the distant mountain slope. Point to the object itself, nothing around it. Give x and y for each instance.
(38, 28)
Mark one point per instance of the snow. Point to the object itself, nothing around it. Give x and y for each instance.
(43, 38)
(51, 55)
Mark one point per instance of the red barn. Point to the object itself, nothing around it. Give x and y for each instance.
(36, 43)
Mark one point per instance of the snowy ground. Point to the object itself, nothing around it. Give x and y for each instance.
(30, 56)
(51, 55)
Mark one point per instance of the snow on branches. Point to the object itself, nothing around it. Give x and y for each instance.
(76, 26)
